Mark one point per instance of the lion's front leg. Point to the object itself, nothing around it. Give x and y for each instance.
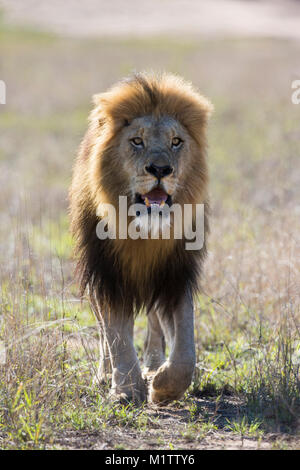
(127, 382)
(175, 375)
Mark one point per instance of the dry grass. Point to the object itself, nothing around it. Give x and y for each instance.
(248, 320)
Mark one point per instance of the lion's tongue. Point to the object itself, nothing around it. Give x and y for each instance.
(156, 196)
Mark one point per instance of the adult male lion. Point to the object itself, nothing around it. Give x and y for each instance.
(146, 141)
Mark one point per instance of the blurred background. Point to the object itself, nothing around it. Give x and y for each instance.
(242, 55)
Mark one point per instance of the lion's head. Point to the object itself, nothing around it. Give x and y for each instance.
(150, 131)
(146, 141)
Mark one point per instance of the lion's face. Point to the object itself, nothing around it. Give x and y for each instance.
(153, 154)
(147, 141)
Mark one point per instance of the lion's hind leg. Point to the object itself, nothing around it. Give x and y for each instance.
(103, 375)
(154, 348)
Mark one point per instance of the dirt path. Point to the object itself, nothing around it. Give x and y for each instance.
(171, 428)
(276, 18)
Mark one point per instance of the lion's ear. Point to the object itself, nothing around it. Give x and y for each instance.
(209, 108)
(98, 113)
(101, 122)
(204, 109)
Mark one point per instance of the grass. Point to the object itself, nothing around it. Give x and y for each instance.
(246, 386)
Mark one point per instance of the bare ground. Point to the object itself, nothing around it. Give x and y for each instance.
(168, 430)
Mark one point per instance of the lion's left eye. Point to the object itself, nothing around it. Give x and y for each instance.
(176, 142)
(137, 142)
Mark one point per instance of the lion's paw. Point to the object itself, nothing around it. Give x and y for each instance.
(133, 392)
(122, 398)
(170, 382)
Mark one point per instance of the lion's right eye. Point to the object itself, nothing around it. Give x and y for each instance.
(176, 142)
(137, 142)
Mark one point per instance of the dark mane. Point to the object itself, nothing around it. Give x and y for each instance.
(99, 269)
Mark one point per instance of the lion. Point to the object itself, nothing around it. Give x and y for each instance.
(146, 141)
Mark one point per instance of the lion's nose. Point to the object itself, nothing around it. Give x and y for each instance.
(159, 171)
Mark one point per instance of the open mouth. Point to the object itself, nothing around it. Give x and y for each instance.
(156, 197)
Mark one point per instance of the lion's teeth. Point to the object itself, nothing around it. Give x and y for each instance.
(148, 204)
